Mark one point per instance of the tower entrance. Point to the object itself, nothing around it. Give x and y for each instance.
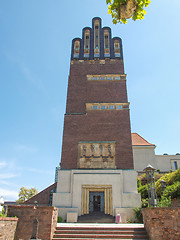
(96, 202)
(96, 198)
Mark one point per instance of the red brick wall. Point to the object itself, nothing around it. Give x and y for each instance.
(7, 228)
(97, 126)
(81, 91)
(108, 125)
(42, 197)
(46, 216)
(162, 223)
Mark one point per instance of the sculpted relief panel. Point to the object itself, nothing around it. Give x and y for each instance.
(96, 155)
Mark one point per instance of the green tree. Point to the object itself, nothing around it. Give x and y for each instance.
(25, 194)
(121, 10)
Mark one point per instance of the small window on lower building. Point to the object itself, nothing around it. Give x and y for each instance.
(103, 107)
(175, 165)
(119, 107)
(111, 107)
(95, 107)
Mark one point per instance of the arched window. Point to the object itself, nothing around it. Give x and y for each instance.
(116, 48)
(106, 44)
(86, 43)
(96, 39)
(76, 49)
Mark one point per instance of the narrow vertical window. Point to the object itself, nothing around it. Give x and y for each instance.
(86, 43)
(76, 49)
(96, 39)
(116, 48)
(175, 165)
(106, 44)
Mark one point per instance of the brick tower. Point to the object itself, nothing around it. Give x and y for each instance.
(97, 164)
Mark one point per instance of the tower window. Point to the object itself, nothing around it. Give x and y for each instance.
(119, 107)
(111, 107)
(96, 39)
(86, 43)
(95, 107)
(106, 44)
(76, 49)
(103, 107)
(175, 165)
(116, 48)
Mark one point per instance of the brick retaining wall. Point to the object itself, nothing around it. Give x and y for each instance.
(46, 218)
(7, 228)
(162, 223)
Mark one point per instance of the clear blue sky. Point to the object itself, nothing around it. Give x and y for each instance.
(35, 44)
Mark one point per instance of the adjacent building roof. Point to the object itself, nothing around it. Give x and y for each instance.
(137, 140)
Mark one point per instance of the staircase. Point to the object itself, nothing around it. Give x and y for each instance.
(99, 231)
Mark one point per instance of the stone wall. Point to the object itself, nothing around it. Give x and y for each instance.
(7, 228)
(162, 223)
(32, 220)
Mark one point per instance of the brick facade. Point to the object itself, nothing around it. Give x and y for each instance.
(43, 197)
(162, 223)
(83, 125)
(27, 215)
(7, 228)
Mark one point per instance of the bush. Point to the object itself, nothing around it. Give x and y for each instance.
(143, 190)
(169, 178)
(138, 214)
(164, 202)
(138, 182)
(59, 219)
(144, 203)
(172, 191)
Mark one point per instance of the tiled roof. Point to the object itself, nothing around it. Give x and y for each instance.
(138, 140)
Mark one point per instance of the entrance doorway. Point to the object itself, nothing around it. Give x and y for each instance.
(96, 202)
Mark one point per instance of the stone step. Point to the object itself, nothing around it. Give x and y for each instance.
(101, 231)
(99, 236)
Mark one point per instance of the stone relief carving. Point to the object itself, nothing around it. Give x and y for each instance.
(96, 155)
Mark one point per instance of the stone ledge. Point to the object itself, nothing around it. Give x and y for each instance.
(8, 219)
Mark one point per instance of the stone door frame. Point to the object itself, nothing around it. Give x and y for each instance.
(107, 189)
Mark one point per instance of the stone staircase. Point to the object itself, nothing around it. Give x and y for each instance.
(99, 231)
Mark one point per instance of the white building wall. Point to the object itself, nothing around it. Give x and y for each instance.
(143, 156)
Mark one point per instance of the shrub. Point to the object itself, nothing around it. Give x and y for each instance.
(138, 182)
(164, 202)
(138, 214)
(59, 219)
(143, 190)
(172, 191)
(144, 203)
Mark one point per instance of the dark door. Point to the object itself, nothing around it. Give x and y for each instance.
(97, 203)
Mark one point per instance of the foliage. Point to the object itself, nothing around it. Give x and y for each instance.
(25, 194)
(144, 203)
(143, 190)
(2, 214)
(59, 219)
(114, 6)
(138, 182)
(172, 191)
(164, 202)
(138, 214)
(169, 178)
